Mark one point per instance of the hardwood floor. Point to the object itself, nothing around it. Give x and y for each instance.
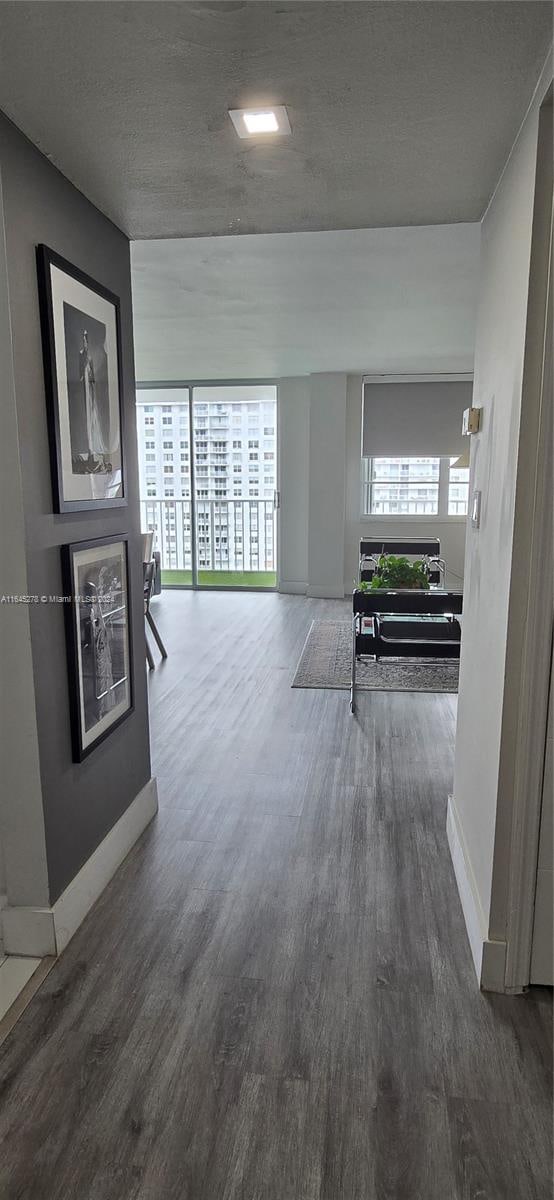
(274, 999)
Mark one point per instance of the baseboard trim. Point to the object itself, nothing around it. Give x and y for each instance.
(471, 906)
(493, 969)
(46, 931)
(290, 588)
(325, 593)
(489, 957)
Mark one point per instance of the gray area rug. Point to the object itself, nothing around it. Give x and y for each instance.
(326, 657)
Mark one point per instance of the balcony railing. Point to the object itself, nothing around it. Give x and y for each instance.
(233, 536)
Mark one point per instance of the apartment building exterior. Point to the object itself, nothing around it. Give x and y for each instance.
(227, 464)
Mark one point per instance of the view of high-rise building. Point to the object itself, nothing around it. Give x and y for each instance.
(414, 487)
(208, 492)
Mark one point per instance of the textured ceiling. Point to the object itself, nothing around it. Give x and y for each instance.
(292, 303)
(402, 112)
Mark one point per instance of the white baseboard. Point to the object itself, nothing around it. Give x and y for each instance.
(47, 931)
(493, 970)
(467, 888)
(290, 588)
(488, 956)
(325, 593)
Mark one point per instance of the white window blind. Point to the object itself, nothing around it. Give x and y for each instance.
(413, 419)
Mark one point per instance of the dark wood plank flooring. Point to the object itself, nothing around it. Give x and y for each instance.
(274, 999)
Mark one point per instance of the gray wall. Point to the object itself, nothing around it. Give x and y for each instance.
(23, 866)
(81, 801)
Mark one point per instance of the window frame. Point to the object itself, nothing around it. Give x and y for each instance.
(442, 515)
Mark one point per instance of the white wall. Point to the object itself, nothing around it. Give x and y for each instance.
(320, 481)
(327, 481)
(294, 473)
(498, 375)
(450, 532)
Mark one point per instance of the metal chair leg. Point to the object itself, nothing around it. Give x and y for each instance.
(353, 681)
(155, 633)
(149, 658)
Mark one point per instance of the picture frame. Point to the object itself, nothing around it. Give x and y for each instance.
(81, 345)
(98, 637)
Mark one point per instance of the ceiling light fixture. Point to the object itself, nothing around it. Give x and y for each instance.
(253, 122)
(261, 122)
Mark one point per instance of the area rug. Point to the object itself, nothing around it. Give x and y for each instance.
(325, 662)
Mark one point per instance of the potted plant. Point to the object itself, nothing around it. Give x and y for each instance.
(397, 573)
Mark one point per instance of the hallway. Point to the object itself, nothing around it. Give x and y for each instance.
(275, 998)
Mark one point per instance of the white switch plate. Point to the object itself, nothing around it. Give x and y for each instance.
(476, 509)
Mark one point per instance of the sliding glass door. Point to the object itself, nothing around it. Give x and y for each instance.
(208, 478)
(165, 481)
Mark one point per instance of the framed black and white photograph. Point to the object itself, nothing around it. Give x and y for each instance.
(82, 365)
(98, 639)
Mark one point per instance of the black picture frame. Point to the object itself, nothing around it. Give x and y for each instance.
(64, 481)
(76, 604)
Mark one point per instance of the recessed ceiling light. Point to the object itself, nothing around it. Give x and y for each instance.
(261, 122)
(251, 122)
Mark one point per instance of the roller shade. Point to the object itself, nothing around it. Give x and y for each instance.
(401, 419)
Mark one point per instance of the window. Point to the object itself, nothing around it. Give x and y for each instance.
(409, 487)
(458, 489)
(148, 408)
(230, 475)
(401, 486)
(148, 420)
